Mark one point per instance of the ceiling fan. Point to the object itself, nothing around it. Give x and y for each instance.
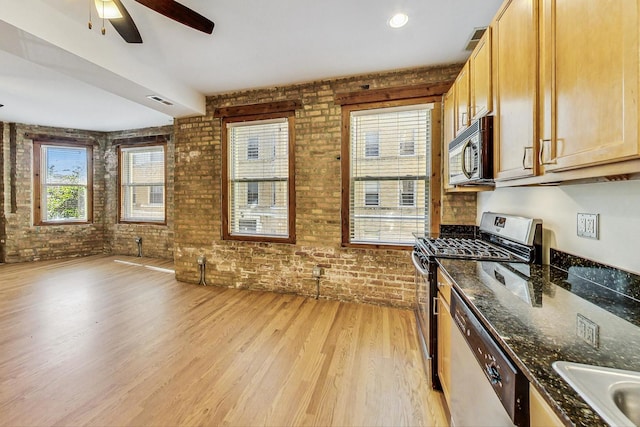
(117, 14)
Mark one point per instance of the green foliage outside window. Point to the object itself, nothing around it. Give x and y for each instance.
(66, 201)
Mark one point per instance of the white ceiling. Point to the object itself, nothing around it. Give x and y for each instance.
(54, 71)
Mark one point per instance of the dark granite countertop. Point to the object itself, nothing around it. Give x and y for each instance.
(534, 320)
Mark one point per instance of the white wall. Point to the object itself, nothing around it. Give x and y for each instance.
(618, 204)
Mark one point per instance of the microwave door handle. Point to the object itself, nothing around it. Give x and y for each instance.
(463, 160)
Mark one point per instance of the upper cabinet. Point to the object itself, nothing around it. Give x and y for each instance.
(461, 100)
(448, 133)
(564, 78)
(515, 71)
(589, 83)
(469, 98)
(480, 93)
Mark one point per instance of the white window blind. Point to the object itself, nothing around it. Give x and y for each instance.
(259, 177)
(64, 192)
(142, 184)
(389, 170)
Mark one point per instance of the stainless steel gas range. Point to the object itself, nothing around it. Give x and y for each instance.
(500, 238)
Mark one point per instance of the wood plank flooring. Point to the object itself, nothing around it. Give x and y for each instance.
(95, 341)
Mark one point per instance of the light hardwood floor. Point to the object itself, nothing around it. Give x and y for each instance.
(94, 341)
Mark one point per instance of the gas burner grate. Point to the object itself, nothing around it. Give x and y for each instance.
(466, 248)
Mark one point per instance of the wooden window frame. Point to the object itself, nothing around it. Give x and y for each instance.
(249, 113)
(153, 141)
(38, 143)
(386, 98)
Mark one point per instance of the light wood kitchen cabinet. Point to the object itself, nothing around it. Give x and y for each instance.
(444, 334)
(515, 71)
(589, 81)
(480, 94)
(540, 413)
(448, 108)
(448, 133)
(461, 100)
(473, 87)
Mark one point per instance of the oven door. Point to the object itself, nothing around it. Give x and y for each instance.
(426, 287)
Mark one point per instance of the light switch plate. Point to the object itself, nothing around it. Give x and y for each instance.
(588, 225)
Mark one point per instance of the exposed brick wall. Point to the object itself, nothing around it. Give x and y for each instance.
(3, 229)
(374, 276)
(26, 242)
(459, 208)
(157, 240)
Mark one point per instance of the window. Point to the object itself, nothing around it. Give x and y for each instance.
(253, 150)
(253, 194)
(386, 173)
(371, 144)
(156, 195)
(407, 142)
(258, 189)
(63, 180)
(142, 183)
(371, 193)
(407, 193)
(248, 225)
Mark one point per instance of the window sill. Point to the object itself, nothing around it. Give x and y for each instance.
(389, 246)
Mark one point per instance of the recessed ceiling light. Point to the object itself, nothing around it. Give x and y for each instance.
(398, 20)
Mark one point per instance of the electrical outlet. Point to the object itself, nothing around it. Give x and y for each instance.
(587, 330)
(588, 225)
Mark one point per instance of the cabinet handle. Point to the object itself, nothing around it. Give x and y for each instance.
(524, 158)
(435, 306)
(541, 154)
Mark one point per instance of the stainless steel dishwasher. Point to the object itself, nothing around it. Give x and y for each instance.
(487, 389)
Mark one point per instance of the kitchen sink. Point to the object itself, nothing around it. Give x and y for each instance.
(612, 393)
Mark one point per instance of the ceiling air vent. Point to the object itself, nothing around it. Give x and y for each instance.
(159, 99)
(475, 38)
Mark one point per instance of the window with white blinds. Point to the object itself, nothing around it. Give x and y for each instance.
(388, 176)
(258, 181)
(142, 183)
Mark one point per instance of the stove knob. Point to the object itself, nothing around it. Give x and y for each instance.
(493, 374)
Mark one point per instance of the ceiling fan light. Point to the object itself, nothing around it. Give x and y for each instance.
(107, 9)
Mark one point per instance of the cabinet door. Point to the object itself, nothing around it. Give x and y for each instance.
(461, 89)
(590, 76)
(444, 346)
(480, 76)
(448, 132)
(541, 415)
(515, 82)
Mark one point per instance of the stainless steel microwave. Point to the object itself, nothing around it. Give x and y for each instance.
(471, 154)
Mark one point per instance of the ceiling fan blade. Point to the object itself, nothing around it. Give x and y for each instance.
(125, 25)
(178, 12)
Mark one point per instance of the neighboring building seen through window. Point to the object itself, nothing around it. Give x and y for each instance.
(257, 166)
(62, 183)
(389, 149)
(142, 183)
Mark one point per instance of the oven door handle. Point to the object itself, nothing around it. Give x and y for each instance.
(417, 264)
